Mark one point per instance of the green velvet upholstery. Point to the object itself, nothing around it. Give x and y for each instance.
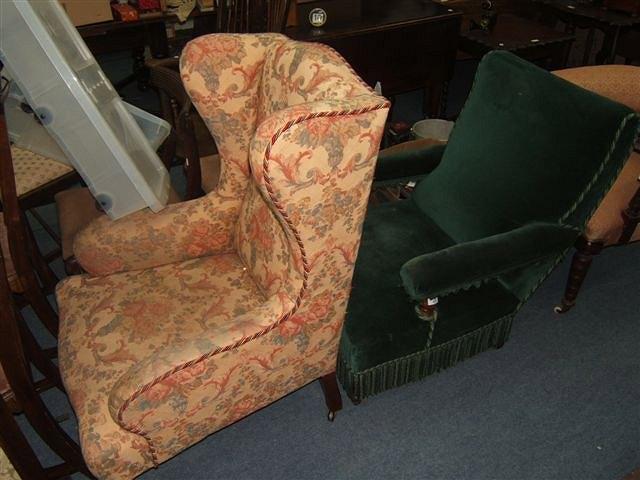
(529, 159)
(407, 165)
(471, 263)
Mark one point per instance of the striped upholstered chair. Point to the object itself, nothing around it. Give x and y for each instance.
(193, 318)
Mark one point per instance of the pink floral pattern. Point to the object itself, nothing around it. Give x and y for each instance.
(175, 347)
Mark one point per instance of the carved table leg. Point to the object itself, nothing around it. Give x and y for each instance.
(580, 264)
(332, 396)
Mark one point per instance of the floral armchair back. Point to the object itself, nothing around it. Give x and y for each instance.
(308, 128)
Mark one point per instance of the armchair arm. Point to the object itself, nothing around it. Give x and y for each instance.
(145, 239)
(188, 363)
(464, 265)
(410, 161)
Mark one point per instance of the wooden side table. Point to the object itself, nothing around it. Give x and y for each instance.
(405, 44)
(585, 15)
(114, 36)
(530, 40)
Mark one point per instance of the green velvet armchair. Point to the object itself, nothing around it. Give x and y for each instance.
(440, 276)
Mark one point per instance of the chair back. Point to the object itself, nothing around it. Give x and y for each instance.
(528, 146)
(620, 83)
(245, 16)
(298, 133)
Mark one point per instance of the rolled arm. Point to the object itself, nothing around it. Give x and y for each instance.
(145, 239)
(411, 162)
(463, 265)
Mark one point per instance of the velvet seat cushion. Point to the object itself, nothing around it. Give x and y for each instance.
(108, 324)
(381, 323)
(606, 223)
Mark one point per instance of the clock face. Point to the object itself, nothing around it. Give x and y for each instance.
(317, 17)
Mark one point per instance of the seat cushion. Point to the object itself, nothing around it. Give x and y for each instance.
(108, 324)
(381, 323)
(606, 223)
(7, 472)
(33, 170)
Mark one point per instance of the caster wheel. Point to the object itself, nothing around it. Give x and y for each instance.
(331, 416)
(562, 308)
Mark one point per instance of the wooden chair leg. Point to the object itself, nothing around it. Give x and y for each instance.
(332, 396)
(580, 264)
(631, 217)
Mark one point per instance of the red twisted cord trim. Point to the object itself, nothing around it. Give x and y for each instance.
(306, 270)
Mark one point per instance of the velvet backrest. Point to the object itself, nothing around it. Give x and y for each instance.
(528, 146)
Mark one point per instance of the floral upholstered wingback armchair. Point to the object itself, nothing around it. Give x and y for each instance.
(192, 318)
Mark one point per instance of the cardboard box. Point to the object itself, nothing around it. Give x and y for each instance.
(84, 12)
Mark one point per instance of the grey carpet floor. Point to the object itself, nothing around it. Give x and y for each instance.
(558, 401)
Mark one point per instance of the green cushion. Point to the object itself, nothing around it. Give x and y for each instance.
(382, 324)
(406, 165)
(526, 147)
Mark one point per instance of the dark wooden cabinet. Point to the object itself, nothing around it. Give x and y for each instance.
(405, 45)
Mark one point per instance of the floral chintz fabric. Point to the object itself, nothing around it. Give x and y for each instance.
(192, 318)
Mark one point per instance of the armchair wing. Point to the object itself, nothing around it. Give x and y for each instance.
(144, 239)
(224, 92)
(470, 264)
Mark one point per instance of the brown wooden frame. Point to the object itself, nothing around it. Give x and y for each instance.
(179, 112)
(18, 347)
(31, 268)
(586, 250)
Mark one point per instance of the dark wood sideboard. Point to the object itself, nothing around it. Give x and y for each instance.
(404, 44)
